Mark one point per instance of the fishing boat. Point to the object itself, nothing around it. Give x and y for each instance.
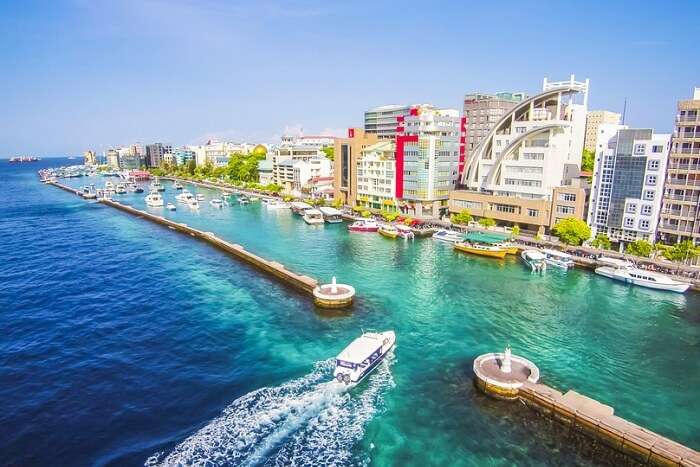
(625, 271)
(558, 259)
(450, 236)
(313, 216)
(362, 356)
(535, 259)
(364, 225)
(405, 232)
(388, 231)
(481, 249)
(171, 207)
(154, 199)
(331, 215)
(274, 204)
(216, 202)
(177, 185)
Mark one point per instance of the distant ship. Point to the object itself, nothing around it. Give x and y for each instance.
(25, 159)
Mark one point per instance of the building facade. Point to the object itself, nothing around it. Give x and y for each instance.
(89, 158)
(483, 111)
(534, 149)
(347, 151)
(594, 119)
(376, 177)
(154, 154)
(113, 159)
(628, 183)
(680, 215)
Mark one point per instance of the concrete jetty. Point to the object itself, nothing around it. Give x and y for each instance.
(578, 414)
(300, 282)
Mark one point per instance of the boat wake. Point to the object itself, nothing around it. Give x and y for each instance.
(310, 420)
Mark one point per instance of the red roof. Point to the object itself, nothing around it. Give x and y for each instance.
(315, 180)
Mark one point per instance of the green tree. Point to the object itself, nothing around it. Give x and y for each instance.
(329, 151)
(572, 231)
(389, 216)
(487, 222)
(587, 160)
(461, 218)
(682, 252)
(337, 203)
(365, 213)
(191, 167)
(515, 230)
(601, 241)
(640, 248)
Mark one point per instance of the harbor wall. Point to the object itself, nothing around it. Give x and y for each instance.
(300, 282)
(595, 422)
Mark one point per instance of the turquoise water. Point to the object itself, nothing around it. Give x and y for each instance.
(258, 392)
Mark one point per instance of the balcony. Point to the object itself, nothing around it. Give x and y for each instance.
(688, 214)
(691, 199)
(676, 227)
(684, 166)
(683, 182)
(685, 151)
(687, 118)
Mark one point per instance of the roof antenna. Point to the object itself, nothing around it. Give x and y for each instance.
(624, 111)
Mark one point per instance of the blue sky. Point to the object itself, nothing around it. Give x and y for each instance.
(80, 74)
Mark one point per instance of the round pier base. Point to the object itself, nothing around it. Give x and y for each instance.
(334, 295)
(502, 375)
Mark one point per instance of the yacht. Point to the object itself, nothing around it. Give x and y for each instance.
(405, 232)
(363, 225)
(450, 236)
(217, 203)
(177, 185)
(625, 271)
(331, 215)
(558, 258)
(274, 204)
(481, 249)
(171, 207)
(313, 216)
(535, 259)
(362, 356)
(184, 196)
(154, 199)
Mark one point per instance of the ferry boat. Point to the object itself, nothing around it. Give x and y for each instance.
(364, 225)
(558, 259)
(299, 207)
(405, 232)
(171, 207)
(217, 203)
(535, 259)
(388, 231)
(362, 356)
(154, 199)
(274, 204)
(184, 196)
(450, 236)
(624, 271)
(177, 185)
(481, 249)
(313, 216)
(331, 215)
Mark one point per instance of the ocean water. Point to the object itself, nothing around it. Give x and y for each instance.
(125, 343)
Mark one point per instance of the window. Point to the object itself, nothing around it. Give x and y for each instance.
(565, 209)
(629, 222)
(567, 197)
(651, 179)
(644, 224)
(653, 164)
(533, 212)
(657, 148)
(504, 208)
(649, 195)
(639, 149)
(632, 208)
(520, 129)
(646, 210)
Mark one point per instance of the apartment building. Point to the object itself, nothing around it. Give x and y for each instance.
(347, 152)
(376, 177)
(154, 154)
(680, 215)
(89, 158)
(531, 152)
(294, 174)
(594, 119)
(482, 111)
(628, 183)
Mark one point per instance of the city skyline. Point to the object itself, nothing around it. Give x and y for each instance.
(88, 77)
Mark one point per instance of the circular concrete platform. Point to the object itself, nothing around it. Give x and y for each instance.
(502, 374)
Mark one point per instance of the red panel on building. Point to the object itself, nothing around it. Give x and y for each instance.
(463, 125)
(401, 141)
(413, 112)
(351, 132)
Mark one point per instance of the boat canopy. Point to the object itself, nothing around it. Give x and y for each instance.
(328, 211)
(488, 238)
(556, 253)
(535, 255)
(312, 212)
(300, 205)
(360, 349)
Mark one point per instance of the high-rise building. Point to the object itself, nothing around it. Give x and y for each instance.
(382, 121)
(483, 111)
(346, 153)
(154, 154)
(680, 215)
(594, 119)
(90, 158)
(627, 183)
(113, 159)
(534, 149)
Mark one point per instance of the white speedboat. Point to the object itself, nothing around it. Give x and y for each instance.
(177, 185)
(193, 203)
(535, 259)
(313, 216)
(274, 204)
(404, 231)
(243, 199)
(362, 356)
(364, 225)
(558, 258)
(450, 236)
(171, 207)
(184, 196)
(217, 203)
(200, 197)
(624, 271)
(120, 189)
(154, 199)
(156, 186)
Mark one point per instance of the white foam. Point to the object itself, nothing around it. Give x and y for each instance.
(310, 420)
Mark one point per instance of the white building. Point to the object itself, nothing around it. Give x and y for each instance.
(376, 176)
(628, 178)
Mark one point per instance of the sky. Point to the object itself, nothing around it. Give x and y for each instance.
(91, 74)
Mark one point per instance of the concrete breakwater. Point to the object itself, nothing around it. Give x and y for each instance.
(300, 282)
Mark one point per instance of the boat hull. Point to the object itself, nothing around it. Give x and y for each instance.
(481, 252)
(387, 234)
(362, 229)
(611, 273)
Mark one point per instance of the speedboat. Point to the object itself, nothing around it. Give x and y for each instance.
(184, 196)
(243, 199)
(109, 185)
(362, 356)
(405, 232)
(177, 185)
(481, 249)
(200, 197)
(535, 259)
(450, 236)
(388, 231)
(138, 189)
(154, 199)
(193, 203)
(331, 215)
(313, 216)
(120, 189)
(274, 204)
(363, 226)
(624, 271)
(253, 198)
(217, 203)
(171, 207)
(558, 258)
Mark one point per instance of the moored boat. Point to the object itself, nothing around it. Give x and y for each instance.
(624, 271)
(298, 207)
(216, 202)
(184, 196)
(200, 197)
(558, 259)
(331, 215)
(193, 203)
(449, 236)
(405, 232)
(313, 216)
(275, 204)
(535, 259)
(171, 207)
(120, 189)
(154, 199)
(481, 249)
(364, 225)
(388, 231)
(243, 199)
(177, 185)
(362, 356)
(156, 185)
